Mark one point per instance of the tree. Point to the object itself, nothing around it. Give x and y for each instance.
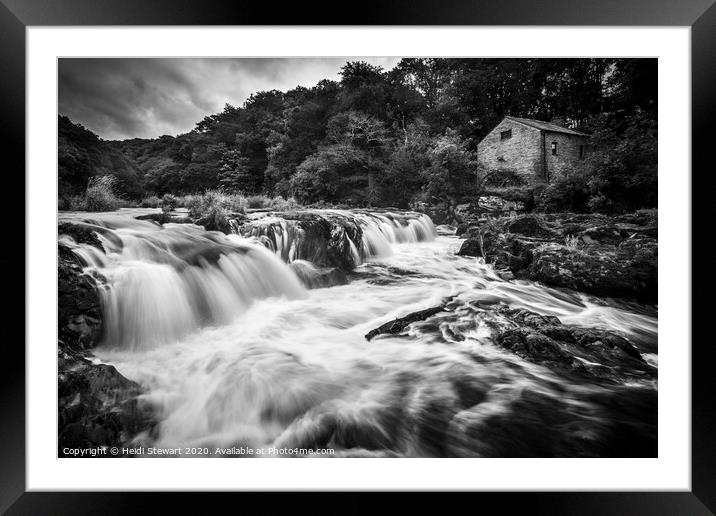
(451, 174)
(234, 173)
(363, 88)
(388, 138)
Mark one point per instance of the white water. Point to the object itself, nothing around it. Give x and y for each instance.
(380, 232)
(233, 351)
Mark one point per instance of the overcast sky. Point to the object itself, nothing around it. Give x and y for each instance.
(146, 98)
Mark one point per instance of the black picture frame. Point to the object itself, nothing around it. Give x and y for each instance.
(16, 15)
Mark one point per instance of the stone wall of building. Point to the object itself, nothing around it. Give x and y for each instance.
(521, 153)
(568, 154)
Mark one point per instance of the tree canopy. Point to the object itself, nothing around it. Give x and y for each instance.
(388, 138)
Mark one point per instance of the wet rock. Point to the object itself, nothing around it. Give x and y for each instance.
(333, 425)
(627, 270)
(326, 240)
(315, 277)
(438, 213)
(605, 423)
(97, 405)
(593, 353)
(165, 218)
(79, 310)
(398, 325)
(496, 204)
(80, 233)
(606, 256)
(528, 225)
(472, 246)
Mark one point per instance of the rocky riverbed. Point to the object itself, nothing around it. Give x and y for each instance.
(607, 256)
(479, 361)
(97, 405)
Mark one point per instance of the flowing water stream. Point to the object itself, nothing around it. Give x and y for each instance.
(235, 351)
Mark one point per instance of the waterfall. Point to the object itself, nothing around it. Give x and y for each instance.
(382, 230)
(359, 236)
(164, 283)
(235, 351)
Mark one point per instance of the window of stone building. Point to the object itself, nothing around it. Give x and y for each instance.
(554, 148)
(581, 152)
(506, 135)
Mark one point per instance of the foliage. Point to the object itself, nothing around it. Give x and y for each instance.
(99, 196)
(572, 241)
(216, 201)
(151, 201)
(169, 203)
(393, 138)
(618, 176)
(82, 155)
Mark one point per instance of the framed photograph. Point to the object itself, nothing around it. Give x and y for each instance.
(437, 250)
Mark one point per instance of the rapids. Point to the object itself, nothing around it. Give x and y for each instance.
(234, 349)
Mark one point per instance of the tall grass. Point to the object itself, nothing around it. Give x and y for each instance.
(273, 203)
(100, 195)
(212, 202)
(150, 202)
(200, 204)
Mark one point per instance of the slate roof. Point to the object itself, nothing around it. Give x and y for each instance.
(545, 126)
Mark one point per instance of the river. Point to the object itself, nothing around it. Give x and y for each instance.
(234, 350)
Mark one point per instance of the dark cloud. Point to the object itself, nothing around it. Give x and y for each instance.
(121, 98)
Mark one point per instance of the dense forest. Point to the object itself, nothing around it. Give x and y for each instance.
(397, 137)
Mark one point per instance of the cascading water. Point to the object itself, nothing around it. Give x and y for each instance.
(166, 282)
(373, 234)
(234, 351)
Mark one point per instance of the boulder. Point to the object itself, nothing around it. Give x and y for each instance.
(626, 270)
(596, 254)
(79, 309)
(80, 233)
(326, 240)
(595, 354)
(315, 277)
(97, 406)
(619, 422)
(165, 218)
(397, 325)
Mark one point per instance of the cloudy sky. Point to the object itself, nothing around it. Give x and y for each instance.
(146, 98)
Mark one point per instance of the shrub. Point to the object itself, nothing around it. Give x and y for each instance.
(569, 192)
(235, 202)
(279, 203)
(256, 201)
(504, 179)
(150, 202)
(599, 203)
(572, 242)
(511, 193)
(212, 202)
(99, 196)
(169, 203)
(273, 203)
(184, 201)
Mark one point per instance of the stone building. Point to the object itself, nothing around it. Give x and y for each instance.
(537, 151)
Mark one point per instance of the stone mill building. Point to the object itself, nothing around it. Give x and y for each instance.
(533, 149)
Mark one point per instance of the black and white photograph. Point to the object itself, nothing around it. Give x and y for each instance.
(357, 257)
